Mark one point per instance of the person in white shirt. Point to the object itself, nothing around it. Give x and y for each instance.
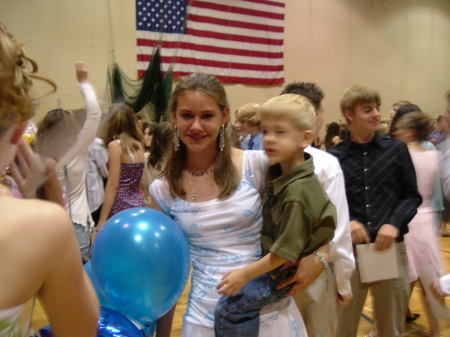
(320, 299)
(58, 138)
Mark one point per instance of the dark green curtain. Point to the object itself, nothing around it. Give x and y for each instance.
(149, 94)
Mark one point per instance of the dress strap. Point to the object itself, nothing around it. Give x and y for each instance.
(131, 155)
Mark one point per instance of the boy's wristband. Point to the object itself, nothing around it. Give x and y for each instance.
(321, 259)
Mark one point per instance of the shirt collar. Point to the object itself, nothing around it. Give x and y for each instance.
(280, 180)
(257, 138)
(377, 139)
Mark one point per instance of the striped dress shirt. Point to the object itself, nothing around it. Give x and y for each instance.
(380, 182)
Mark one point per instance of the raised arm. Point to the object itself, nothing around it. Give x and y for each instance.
(93, 112)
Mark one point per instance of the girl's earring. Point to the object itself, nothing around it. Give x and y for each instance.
(176, 140)
(222, 138)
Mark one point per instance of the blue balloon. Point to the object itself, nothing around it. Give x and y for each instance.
(110, 324)
(114, 324)
(101, 298)
(140, 261)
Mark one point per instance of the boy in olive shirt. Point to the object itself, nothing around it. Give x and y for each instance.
(298, 218)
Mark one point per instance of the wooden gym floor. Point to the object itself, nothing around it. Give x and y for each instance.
(418, 328)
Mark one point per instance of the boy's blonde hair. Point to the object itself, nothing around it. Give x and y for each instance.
(295, 107)
(249, 113)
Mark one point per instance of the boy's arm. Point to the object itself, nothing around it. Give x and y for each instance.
(235, 280)
(406, 208)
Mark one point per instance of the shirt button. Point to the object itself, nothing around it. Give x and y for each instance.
(367, 205)
(367, 187)
(369, 223)
(366, 169)
(366, 153)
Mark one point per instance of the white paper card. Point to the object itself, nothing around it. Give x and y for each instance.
(427, 275)
(375, 265)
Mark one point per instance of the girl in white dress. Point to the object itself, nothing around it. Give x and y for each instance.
(213, 192)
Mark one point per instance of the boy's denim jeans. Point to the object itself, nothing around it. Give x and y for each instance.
(239, 315)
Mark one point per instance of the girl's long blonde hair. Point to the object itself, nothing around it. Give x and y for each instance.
(123, 126)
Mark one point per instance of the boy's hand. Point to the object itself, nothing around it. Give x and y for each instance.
(386, 237)
(344, 300)
(233, 281)
(359, 232)
(308, 270)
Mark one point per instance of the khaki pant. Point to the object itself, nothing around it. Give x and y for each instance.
(318, 305)
(390, 301)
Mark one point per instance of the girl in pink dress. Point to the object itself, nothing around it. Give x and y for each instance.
(422, 244)
(126, 164)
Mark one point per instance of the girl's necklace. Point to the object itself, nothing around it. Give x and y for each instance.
(194, 195)
(198, 174)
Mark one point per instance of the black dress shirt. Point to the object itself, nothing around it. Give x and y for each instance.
(380, 182)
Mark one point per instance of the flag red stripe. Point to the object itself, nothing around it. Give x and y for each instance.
(233, 37)
(236, 10)
(216, 64)
(232, 23)
(210, 49)
(230, 79)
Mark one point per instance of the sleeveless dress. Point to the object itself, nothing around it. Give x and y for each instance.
(15, 322)
(224, 235)
(128, 192)
(422, 245)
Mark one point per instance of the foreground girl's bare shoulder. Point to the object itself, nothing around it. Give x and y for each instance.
(39, 237)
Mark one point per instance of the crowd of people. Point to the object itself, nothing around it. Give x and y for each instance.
(272, 220)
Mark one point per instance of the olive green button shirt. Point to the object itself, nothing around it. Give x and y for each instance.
(298, 217)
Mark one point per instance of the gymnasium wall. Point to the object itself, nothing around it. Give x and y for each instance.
(402, 47)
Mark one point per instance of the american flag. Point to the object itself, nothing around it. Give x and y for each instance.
(239, 41)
